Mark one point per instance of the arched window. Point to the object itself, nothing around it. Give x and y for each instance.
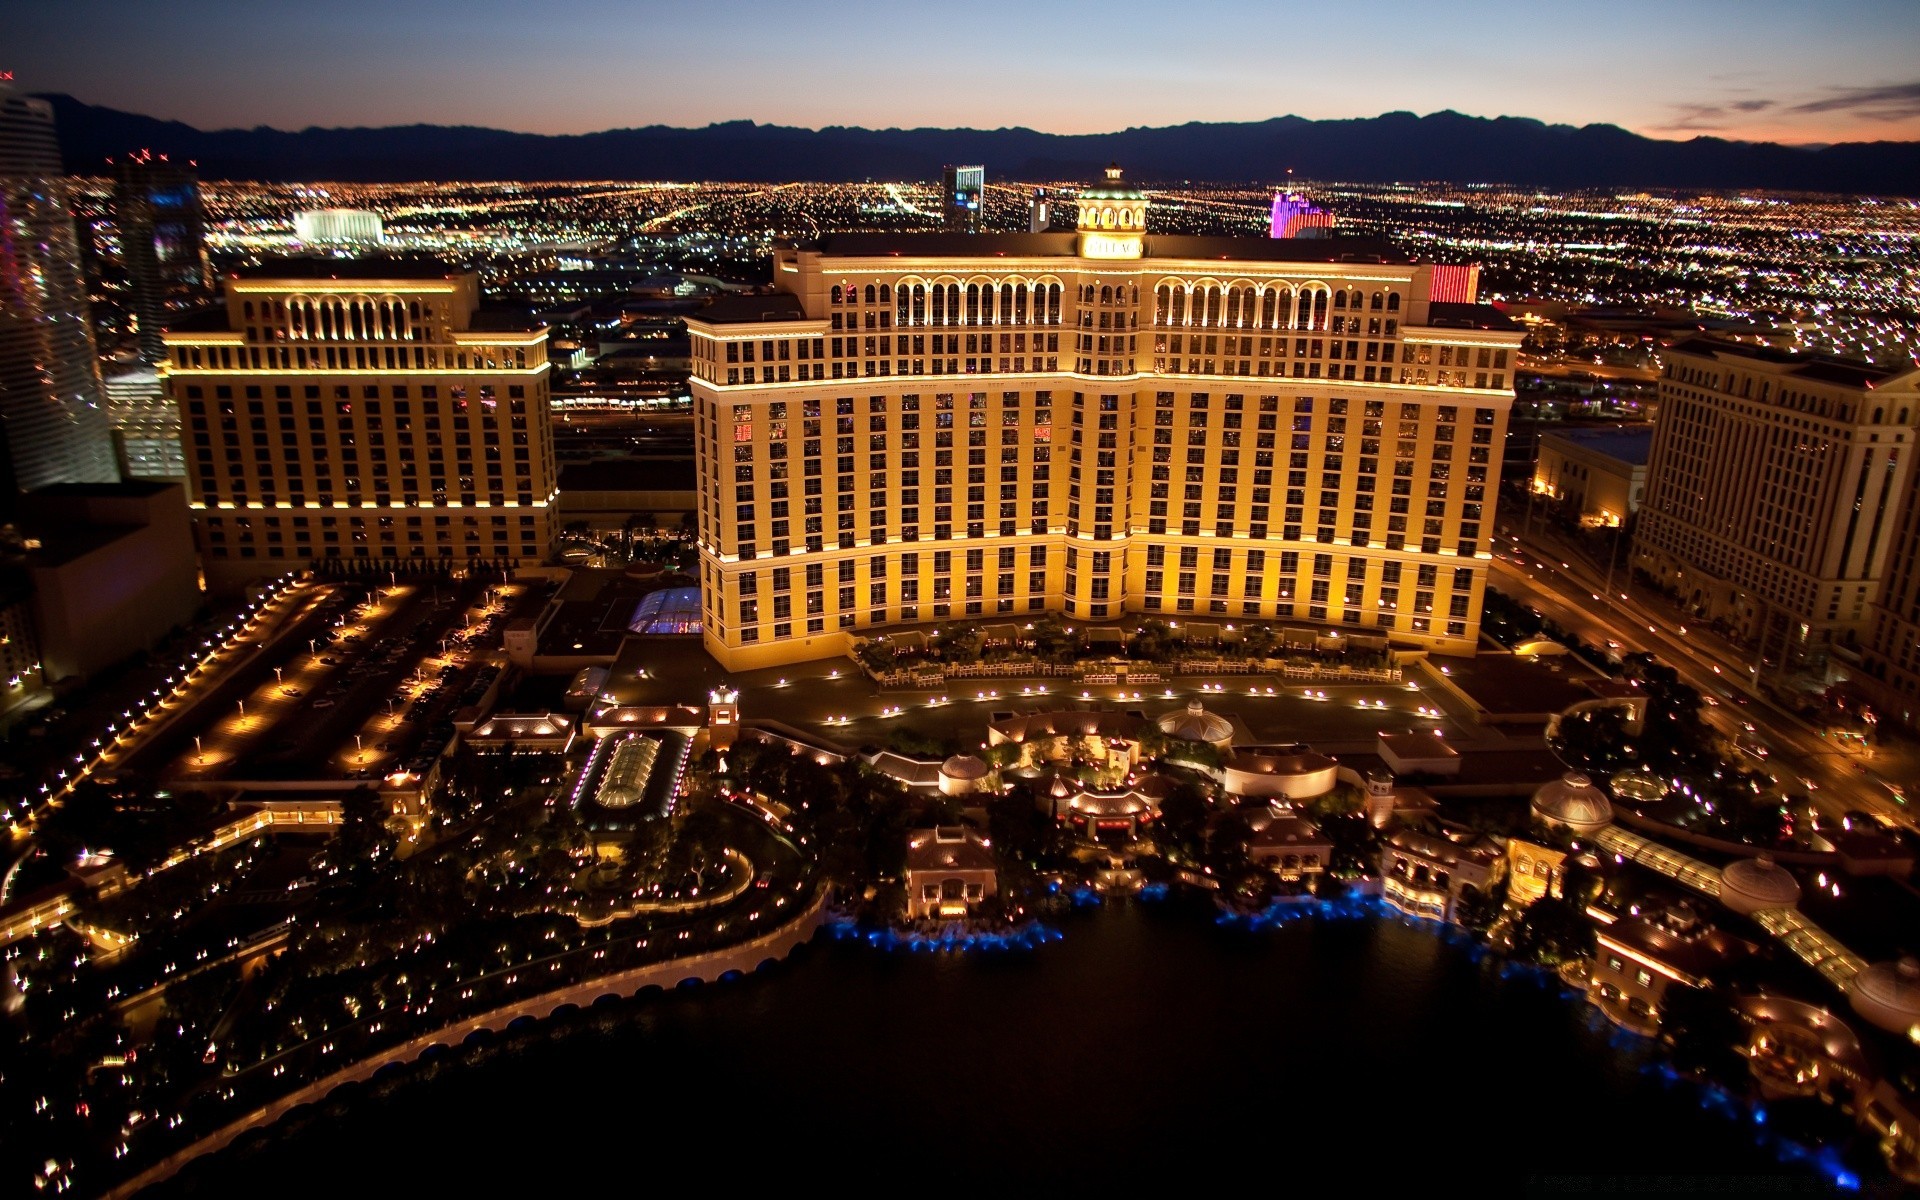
(1020, 304)
(973, 304)
(870, 294)
(1106, 297)
(1179, 306)
(1393, 301)
(1319, 310)
(834, 295)
(1375, 305)
(903, 309)
(886, 294)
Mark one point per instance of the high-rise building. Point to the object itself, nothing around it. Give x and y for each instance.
(338, 227)
(146, 424)
(1295, 216)
(1891, 658)
(364, 410)
(1772, 489)
(962, 191)
(52, 419)
(1100, 424)
(161, 228)
(1039, 212)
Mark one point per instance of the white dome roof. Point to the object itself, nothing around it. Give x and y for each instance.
(1888, 994)
(1752, 884)
(964, 766)
(1574, 802)
(1195, 724)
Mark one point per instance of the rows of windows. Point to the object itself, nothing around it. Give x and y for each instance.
(361, 535)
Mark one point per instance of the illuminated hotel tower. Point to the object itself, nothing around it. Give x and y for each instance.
(157, 215)
(1773, 489)
(1100, 423)
(52, 418)
(1891, 662)
(367, 411)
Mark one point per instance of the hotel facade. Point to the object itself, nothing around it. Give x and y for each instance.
(1105, 424)
(366, 411)
(1773, 492)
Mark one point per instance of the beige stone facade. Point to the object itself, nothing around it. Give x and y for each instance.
(1772, 491)
(1102, 424)
(365, 411)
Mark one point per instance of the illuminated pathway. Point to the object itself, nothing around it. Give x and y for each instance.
(1788, 926)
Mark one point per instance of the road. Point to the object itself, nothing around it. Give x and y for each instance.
(1569, 590)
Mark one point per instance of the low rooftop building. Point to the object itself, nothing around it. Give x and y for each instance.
(1419, 752)
(950, 872)
(1285, 773)
(1637, 960)
(1289, 845)
(1426, 875)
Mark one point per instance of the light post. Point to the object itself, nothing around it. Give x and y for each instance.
(199, 753)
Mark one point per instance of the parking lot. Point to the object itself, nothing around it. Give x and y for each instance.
(364, 685)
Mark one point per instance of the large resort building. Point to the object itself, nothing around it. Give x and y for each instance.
(366, 411)
(1104, 423)
(1773, 492)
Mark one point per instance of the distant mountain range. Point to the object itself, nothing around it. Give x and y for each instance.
(1394, 146)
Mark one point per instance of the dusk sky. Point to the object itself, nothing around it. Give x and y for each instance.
(1785, 70)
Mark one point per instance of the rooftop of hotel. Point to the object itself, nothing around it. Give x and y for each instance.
(1821, 368)
(1629, 444)
(749, 310)
(381, 267)
(1446, 314)
(1067, 245)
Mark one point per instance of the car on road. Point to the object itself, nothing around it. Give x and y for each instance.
(323, 702)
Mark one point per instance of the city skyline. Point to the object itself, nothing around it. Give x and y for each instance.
(1422, 610)
(1767, 71)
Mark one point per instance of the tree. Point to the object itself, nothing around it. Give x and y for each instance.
(1478, 910)
(1154, 642)
(1704, 1030)
(1183, 819)
(1552, 931)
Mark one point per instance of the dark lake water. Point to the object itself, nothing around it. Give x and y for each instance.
(1146, 1048)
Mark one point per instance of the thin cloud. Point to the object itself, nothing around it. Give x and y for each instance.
(1884, 102)
(1752, 106)
(1698, 117)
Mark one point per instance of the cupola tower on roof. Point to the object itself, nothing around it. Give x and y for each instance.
(1113, 218)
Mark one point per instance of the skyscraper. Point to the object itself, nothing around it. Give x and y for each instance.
(1293, 215)
(51, 413)
(156, 211)
(363, 410)
(962, 191)
(1891, 657)
(1039, 212)
(1772, 492)
(1101, 424)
